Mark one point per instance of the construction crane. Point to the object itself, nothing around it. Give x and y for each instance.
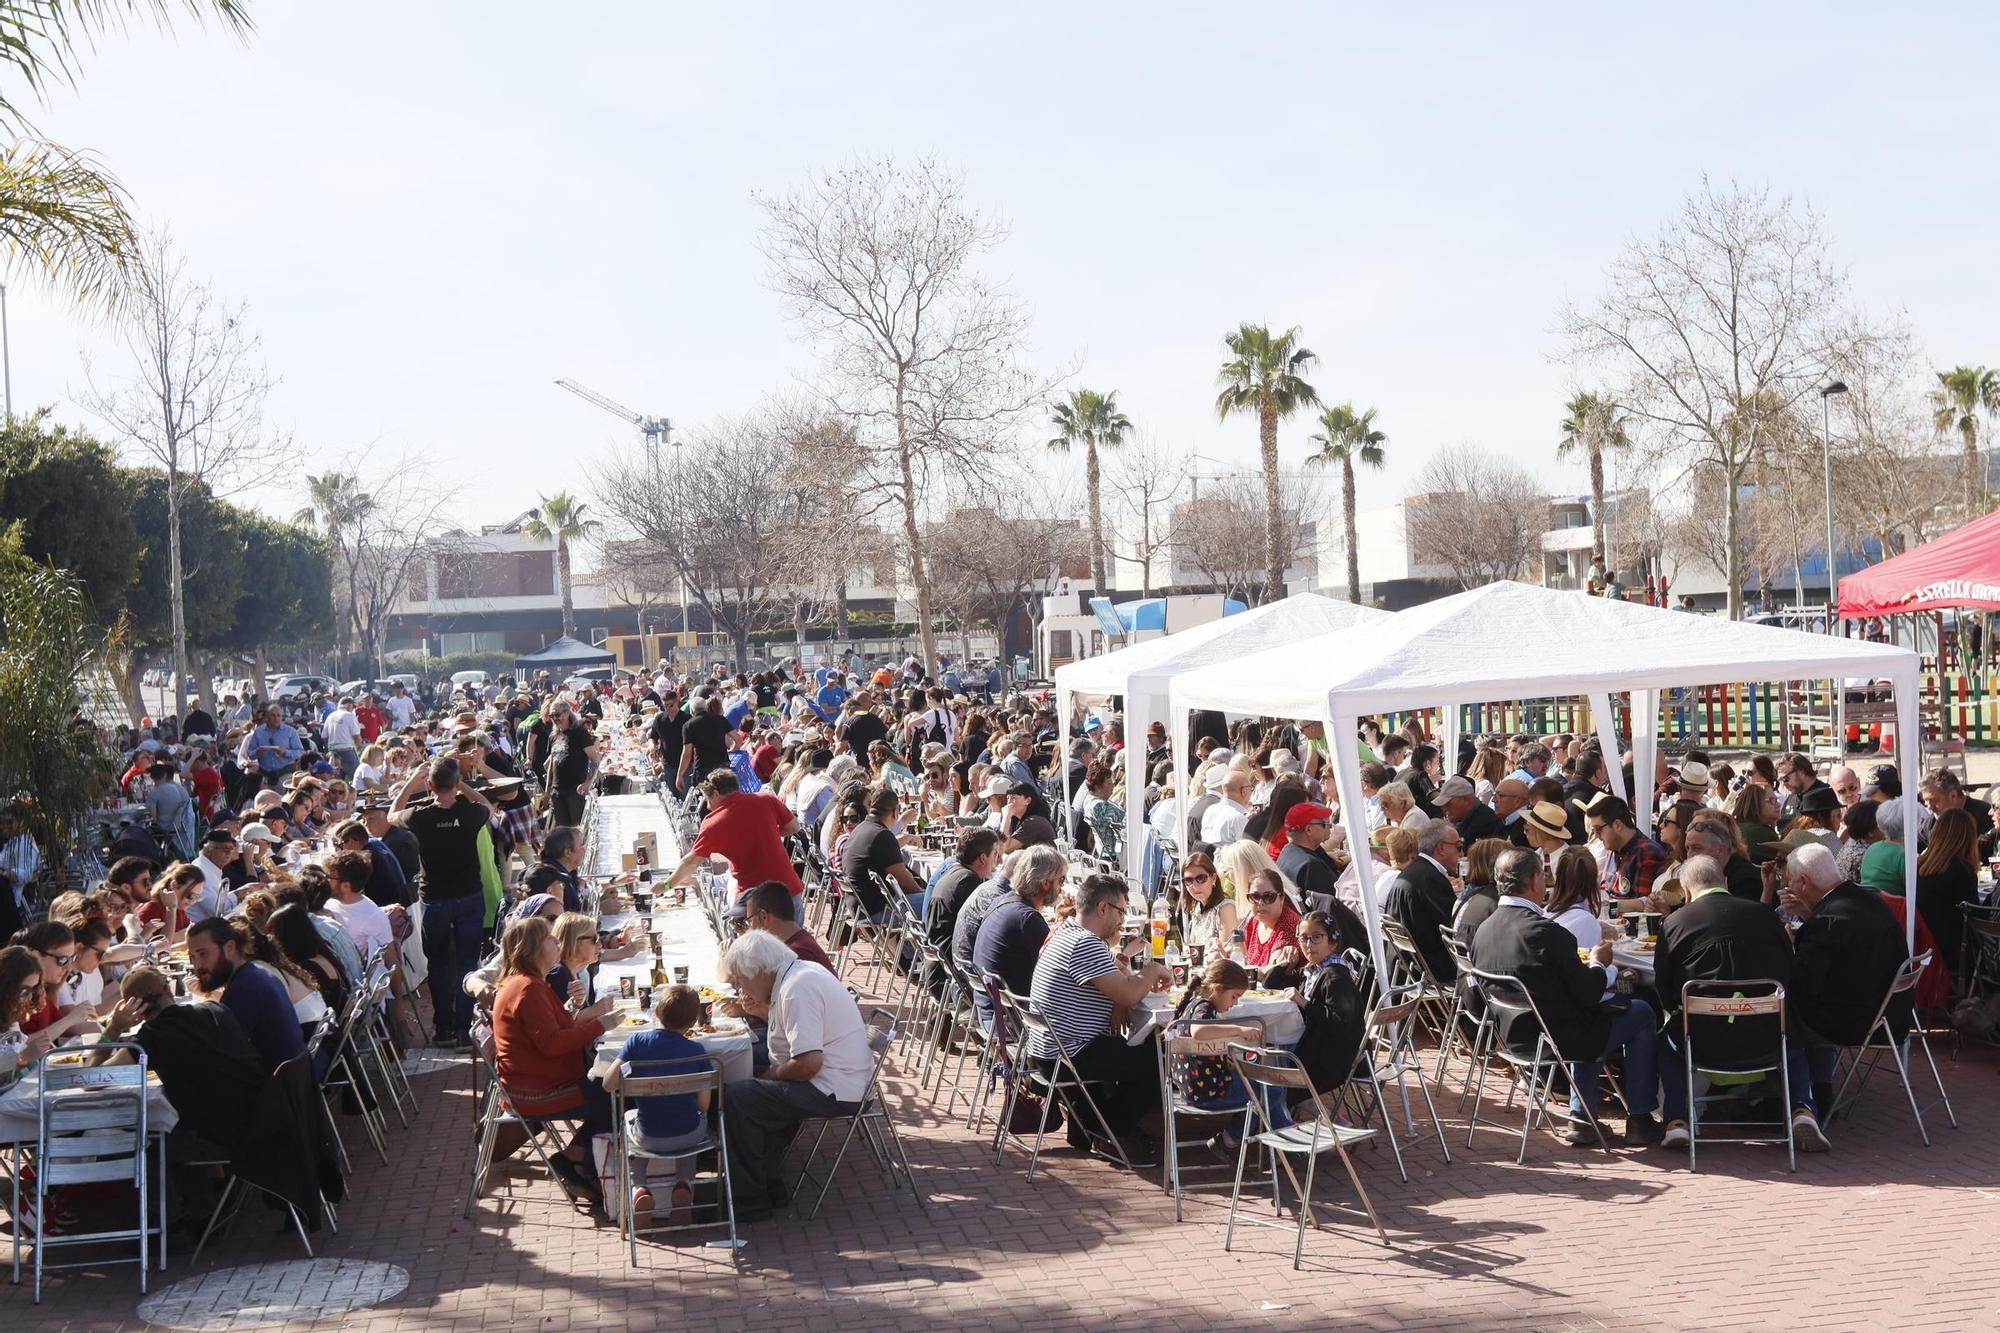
(657, 430)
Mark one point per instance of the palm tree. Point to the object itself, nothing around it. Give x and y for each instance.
(1092, 419)
(1265, 375)
(335, 503)
(58, 210)
(1962, 395)
(1345, 436)
(1594, 427)
(562, 518)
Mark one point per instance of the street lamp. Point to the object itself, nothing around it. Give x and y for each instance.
(1826, 395)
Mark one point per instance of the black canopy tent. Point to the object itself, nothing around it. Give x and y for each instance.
(565, 654)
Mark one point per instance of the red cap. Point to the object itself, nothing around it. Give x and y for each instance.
(1304, 813)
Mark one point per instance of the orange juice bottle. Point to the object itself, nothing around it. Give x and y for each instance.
(1159, 927)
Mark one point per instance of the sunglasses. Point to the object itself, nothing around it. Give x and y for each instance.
(1263, 897)
(59, 959)
(1198, 879)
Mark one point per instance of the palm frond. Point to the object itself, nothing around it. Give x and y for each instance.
(65, 220)
(39, 39)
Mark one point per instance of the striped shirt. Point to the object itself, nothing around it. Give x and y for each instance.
(1076, 1011)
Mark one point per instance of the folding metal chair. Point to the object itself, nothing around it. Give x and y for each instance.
(870, 1118)
(497, 1110)
(91, 1128)
(1409, 970)
(1388, 1053)
(1860, 1061)
(239, 1187)
(1058, 1079)
(1748, 1019)
(1507, 1004)
(1268, 1068)
(1174, 1107)
(670, 1078)
(1979, 954)
(1455, 1037)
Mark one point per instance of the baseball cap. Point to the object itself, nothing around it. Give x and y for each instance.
(256, 832)
(1304, 813)
(997, 786)
(1454, 787)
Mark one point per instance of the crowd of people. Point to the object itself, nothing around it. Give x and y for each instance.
(288, 851)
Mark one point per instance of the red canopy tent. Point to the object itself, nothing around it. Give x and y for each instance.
(1959, 569)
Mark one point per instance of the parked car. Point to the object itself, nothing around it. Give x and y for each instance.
(293, 688)
(463, 678)
(595, 676)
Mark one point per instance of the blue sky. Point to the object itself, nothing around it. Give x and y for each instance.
(434, 210)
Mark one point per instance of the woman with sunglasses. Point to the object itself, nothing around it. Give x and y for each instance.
(21, 996)
(1208, 913)
(1270, 939)
(54, 946)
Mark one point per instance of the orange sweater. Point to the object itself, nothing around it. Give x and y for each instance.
(537, 1044)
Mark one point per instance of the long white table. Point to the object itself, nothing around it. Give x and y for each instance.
(20, 1113)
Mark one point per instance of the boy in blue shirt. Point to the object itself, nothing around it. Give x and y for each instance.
(665, 1123)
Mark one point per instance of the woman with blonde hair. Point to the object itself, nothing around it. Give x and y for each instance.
(1239, 863)
(571, 978)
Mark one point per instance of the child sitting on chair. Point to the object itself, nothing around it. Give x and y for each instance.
(665, 1124)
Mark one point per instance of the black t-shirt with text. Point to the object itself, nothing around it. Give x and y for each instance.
(448, 846)
(567, 753)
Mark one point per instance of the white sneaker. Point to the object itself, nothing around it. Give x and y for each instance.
(1676, 1135)
(1806, 1132)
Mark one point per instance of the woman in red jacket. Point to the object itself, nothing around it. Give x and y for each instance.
(540, 1048)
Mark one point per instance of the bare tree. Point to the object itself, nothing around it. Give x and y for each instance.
(998, 547)
(1723, 322)
(1894, 479)
(1145, 478)
(1222, 533)
(1477, 515)
(194, 405)
(723, 529)
(877, 262)
(392, 543)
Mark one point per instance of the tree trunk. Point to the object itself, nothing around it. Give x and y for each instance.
(1274, 555)
(1597, 508)
(1971, 476)
(913, 536)
(1731, 558)
(562, 577)
(257, 677)
(840, 607)
(1145, 548)
(1096, 516)
(175, 597)
(1347, 520)
(128, 674)
(204, 684)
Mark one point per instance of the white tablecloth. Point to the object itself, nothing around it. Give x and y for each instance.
(20, 1113)
(1626, 953)
(686, 940)
(1283, 1023)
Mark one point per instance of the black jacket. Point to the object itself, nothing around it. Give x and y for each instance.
(1720, 937)
(1473, 907)
(1844, 958)
(1334, 1017)
(1312, 872)
(1744, 880)
(1481, 822)
(1422, 900)
(946, 901)
(288, 1151)
(1541, 955)
(1575, 790)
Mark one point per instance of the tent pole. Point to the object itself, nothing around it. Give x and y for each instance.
(1645, 752)
(1606, 723)
(1353, 814)
(1906, 723)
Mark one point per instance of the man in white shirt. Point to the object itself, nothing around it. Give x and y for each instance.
(216, 898)
(402, 709)
(1222, 823)
(343, 737)
(821, 1063)
(347, 875)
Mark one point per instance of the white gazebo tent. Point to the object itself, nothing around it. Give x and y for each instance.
(1140, 674)
(1512, 641)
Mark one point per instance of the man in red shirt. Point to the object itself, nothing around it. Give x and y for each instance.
(746, 829)
(369, 715)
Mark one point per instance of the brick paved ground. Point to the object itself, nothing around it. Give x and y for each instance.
(1881, 1233)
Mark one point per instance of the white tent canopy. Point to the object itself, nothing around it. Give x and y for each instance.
(1513, 641)
(1140, 673)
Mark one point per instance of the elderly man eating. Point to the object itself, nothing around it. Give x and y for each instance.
(820, 1062)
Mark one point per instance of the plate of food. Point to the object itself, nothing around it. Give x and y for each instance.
(1263, 995)
(710, 994)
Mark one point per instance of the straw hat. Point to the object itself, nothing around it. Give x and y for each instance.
(1547, 818)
